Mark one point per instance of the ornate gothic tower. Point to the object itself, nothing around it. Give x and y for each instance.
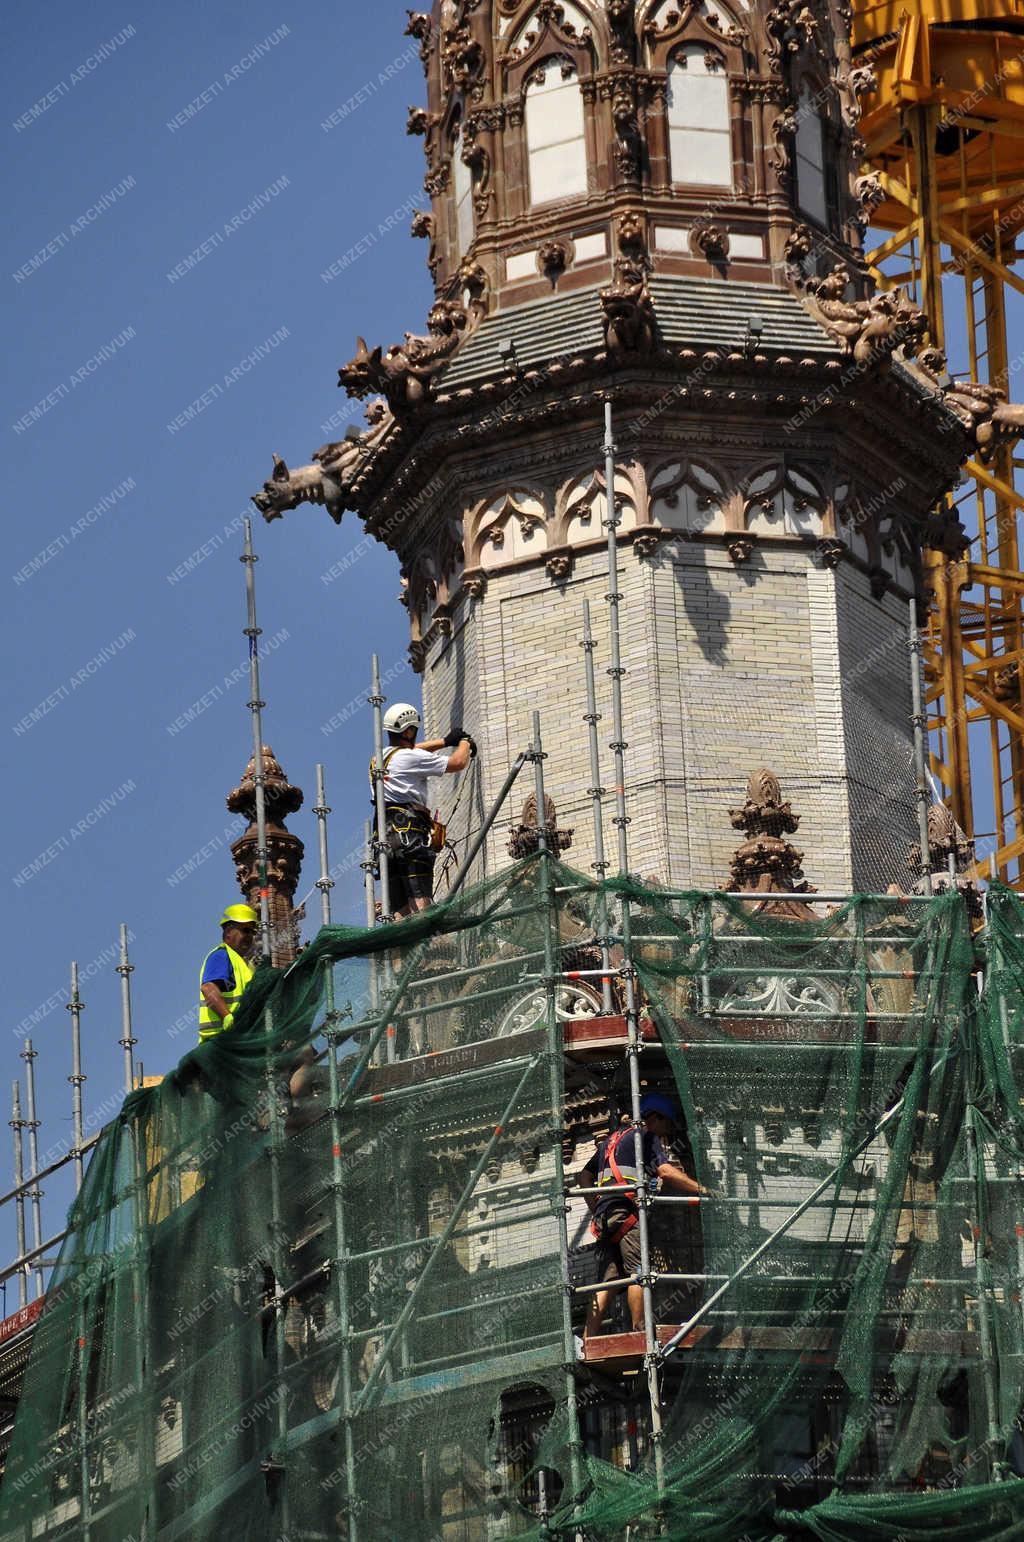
(659, 201)
(284, 852)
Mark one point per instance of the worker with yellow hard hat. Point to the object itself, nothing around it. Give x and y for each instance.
(226, 971)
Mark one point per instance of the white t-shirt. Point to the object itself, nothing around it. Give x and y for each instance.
(405, 779)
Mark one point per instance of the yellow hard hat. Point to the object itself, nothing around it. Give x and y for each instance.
(241, 915)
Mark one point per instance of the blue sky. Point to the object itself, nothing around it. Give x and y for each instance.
(136, 141)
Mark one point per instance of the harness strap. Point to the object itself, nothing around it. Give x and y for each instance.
(620, 1182)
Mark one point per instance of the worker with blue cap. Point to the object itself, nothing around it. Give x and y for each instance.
(613, 1168)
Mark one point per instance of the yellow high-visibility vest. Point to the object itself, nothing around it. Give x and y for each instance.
(209, 1023)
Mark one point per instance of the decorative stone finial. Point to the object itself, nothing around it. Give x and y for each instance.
(946, 840)
(284, 851)
(524, 838)
(766, 861)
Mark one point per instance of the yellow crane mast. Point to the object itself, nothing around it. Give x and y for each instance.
(943, 124)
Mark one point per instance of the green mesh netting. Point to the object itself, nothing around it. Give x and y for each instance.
(337, 1299)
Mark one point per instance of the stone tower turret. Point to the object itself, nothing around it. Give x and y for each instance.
(659, 203)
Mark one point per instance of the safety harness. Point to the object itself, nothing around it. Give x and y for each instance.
(620, 1181)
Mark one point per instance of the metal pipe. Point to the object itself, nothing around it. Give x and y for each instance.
(255, 705)
(600, 865)
(377, 701)
(340, 1270)
(252, 631)
(555, 1052)
(17, 1125)
(124, 969)
(366, 864)
(483, 832)
(53, 1167)
(805, 1204)
(922, 791)
(440, 1242)
(76, 1006)
(621, 821)
(976, 1172)
(28, 1054)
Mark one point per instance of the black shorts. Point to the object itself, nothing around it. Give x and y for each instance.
(410, 856)
(620, 1260)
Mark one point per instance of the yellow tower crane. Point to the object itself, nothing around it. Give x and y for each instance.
(944, 129)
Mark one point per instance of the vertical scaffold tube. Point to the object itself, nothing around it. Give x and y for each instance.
(556, 1051)
(325, 884)
(28, 1054)
(255, 704)
(127, 1042)
(76, 1006)
(596, 791)
(633, 1040)
(922, 793)
(377, 701)
(17, 1125)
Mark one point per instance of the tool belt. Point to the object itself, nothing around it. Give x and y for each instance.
(409, 827)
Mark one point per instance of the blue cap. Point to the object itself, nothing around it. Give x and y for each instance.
(658, 1103)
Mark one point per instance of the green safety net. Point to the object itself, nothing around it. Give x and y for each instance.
(323, 1280)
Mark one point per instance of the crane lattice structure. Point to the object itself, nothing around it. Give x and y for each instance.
(944, 131)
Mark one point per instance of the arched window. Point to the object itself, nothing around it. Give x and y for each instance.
(462, 183)
(699, 134)
(809, 146)
(554, 133)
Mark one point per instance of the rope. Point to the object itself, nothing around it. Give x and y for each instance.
(450, 847)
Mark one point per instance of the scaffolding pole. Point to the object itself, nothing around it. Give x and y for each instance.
(600, 865)
(127, 1041)
(76, 1006)
(325, 884)
(256, 705)
(28, 1054)
(17, 1125)
(634, 1042)
(556, 1050)
(376, 700)
(923, 792)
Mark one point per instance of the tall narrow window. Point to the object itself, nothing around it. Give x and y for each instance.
(462, 182)
(809, 145)
(554, 133)
(699, 134)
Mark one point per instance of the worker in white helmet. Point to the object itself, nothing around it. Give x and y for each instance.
(408, 766)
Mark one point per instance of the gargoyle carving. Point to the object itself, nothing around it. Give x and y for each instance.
(553, 259)
(711, 240)
(799, 245)
(327, 479)
(792, 27)
(404, 373)
(420, 27)
(871, 330)
(632, 235)
(629, 320)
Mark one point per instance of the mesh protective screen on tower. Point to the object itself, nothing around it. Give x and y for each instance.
(338, 1300)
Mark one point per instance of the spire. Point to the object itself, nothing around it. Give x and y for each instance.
(284, 851)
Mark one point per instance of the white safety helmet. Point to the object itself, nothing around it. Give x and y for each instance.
(400, 717)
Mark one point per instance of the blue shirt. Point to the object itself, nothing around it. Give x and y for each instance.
(217, 970)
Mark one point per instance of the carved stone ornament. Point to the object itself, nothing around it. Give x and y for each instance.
(646, 542)
(710, 240)
(629, 322)
(559, 565)
(792, 27)
(474, 583)
(798, 248)
(765, 860)
(405, 372)
(284, 851)
(422, 225)
(870, 330)
(831, 551)
(990, 420)
(741, 547)
(631, 234)
(553, 259)
(462, 57)
(947, 840)
(524, 838)
(420, 27)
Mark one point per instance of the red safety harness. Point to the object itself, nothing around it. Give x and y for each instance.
(617, 1235)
